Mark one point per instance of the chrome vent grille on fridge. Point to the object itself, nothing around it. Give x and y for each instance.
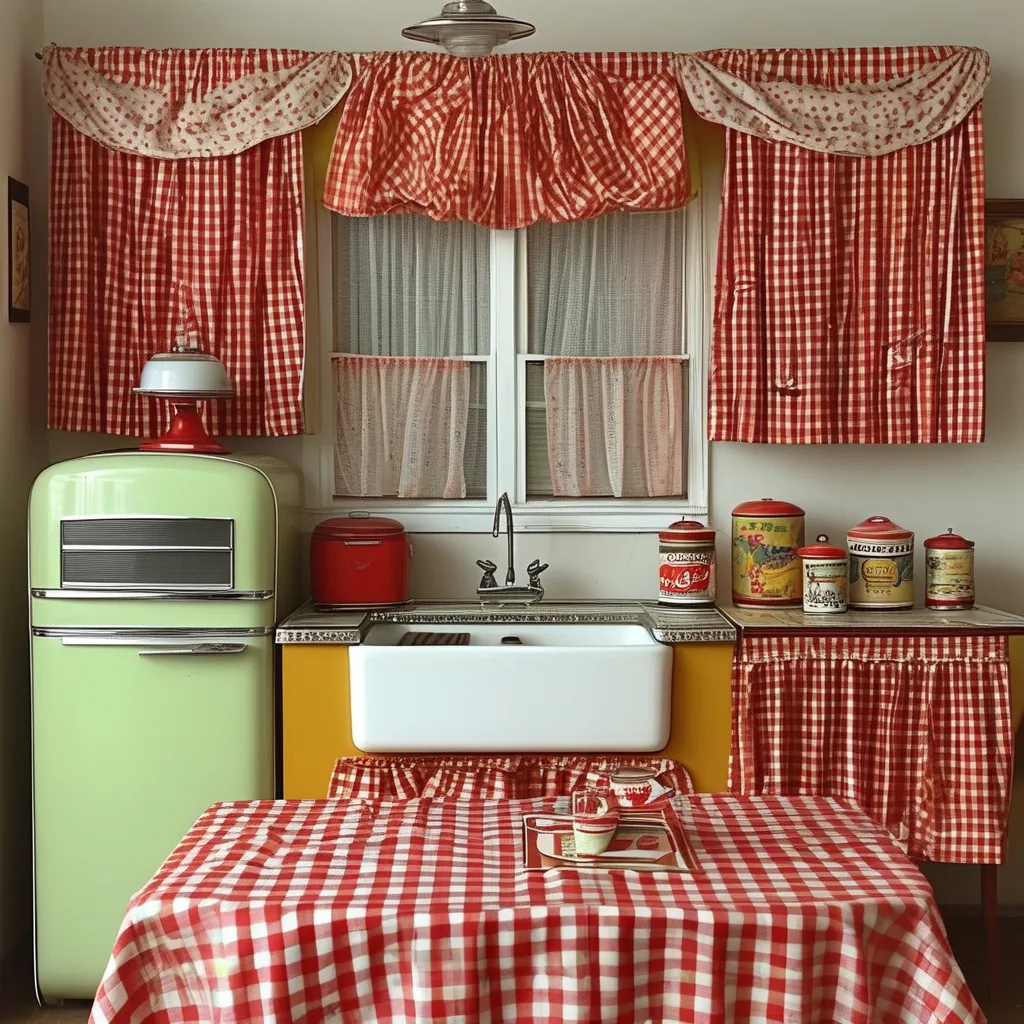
(143, 553)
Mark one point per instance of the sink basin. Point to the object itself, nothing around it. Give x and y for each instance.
(560, 688)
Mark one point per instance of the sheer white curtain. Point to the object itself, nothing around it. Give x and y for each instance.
(401, 427)
(615, 426)
(608, 287)
(412, 288)
(606, 310)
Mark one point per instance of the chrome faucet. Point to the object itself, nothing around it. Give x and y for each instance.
(488, 590)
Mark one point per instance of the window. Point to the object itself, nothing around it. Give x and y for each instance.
(561, 363)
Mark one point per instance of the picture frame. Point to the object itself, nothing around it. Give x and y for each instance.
(1004, 270)
(19, 256)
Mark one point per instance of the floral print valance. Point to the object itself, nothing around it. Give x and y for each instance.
(176, 104)
(850, 102)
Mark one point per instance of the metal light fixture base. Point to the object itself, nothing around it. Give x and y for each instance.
(469, 28)
(186, 433)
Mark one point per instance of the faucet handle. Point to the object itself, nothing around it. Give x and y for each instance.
(533, 570)
(489, 568)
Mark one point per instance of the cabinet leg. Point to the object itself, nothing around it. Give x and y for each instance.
(990, 910)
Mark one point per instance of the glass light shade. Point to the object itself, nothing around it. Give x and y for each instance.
(184, 374)
(468, 28)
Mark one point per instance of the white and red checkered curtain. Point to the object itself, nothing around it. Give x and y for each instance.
(850, 278)
(179, 172)
(915, 730)
(508, 140)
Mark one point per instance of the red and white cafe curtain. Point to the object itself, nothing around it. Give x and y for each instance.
(849, 304)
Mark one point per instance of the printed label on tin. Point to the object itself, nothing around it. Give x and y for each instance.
(687, 574)
(950, 575)
(765, 563)
(881, 581)
(825, 586)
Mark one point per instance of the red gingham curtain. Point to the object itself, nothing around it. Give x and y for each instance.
(505, 141)
(916, 730)
(487, 777)
(850, 290)
(130, 234)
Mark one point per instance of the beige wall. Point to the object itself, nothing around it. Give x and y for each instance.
(977, 490)
(22, 448)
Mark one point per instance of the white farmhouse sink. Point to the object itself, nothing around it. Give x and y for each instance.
(565, 688)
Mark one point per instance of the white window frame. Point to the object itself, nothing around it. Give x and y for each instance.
(506, 435)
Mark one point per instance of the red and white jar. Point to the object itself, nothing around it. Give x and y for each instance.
(826, 572)
(686, 556)
(949, 571)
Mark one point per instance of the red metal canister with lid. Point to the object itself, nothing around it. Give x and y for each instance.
(359, 561)
(686, 555)
(949, 571)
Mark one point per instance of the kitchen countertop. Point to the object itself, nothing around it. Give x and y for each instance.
(793, 621)
(307, 625)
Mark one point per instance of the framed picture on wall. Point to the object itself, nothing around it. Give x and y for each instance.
(19, 291)
(1004, 269)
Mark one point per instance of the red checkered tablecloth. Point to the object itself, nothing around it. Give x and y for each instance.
(419, 910)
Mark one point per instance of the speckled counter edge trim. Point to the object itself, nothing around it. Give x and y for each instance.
(663, 634)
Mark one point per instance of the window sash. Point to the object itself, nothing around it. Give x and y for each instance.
(506, 465)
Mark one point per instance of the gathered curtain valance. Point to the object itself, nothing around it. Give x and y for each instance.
(848, 102)
(175, 104)
(506, 141)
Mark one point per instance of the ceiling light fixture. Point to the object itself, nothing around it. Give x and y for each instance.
(469, 28)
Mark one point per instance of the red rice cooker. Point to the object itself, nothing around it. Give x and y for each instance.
(359, 561)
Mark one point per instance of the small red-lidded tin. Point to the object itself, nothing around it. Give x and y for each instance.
(360, 561)
(949, 571)
(826, 572)
(686, 559)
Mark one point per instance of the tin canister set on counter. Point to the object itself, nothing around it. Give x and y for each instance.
(772, 566)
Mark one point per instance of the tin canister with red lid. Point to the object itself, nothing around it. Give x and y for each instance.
(825, 575)
(881, 565)
(766, 536)
(949, 571)
(359, 561)
(686, 556)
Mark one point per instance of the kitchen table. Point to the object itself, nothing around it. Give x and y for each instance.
(802, 910)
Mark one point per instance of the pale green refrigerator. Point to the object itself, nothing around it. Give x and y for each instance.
(156, 580)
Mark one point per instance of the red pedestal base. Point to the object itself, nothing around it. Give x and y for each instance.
(186, 433)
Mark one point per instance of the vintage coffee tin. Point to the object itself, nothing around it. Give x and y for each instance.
(825, 574)
(949, 571)
(881, 565)
(765, 565)
(686, 556)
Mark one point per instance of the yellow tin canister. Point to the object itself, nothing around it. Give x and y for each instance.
(766, 567)
(881, 565)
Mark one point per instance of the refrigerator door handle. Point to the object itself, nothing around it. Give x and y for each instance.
(194, 649)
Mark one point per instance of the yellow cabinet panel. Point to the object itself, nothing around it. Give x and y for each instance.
(317, 727)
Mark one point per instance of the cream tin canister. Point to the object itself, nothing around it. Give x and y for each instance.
(766, 536)
(686, 555)
(881, 565)
(949, 571)
(825, 574)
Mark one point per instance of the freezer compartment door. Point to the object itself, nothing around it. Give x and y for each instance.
(133, 738)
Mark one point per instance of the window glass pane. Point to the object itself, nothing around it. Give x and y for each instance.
(475, 460)
(612, 286)
(410, 286)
